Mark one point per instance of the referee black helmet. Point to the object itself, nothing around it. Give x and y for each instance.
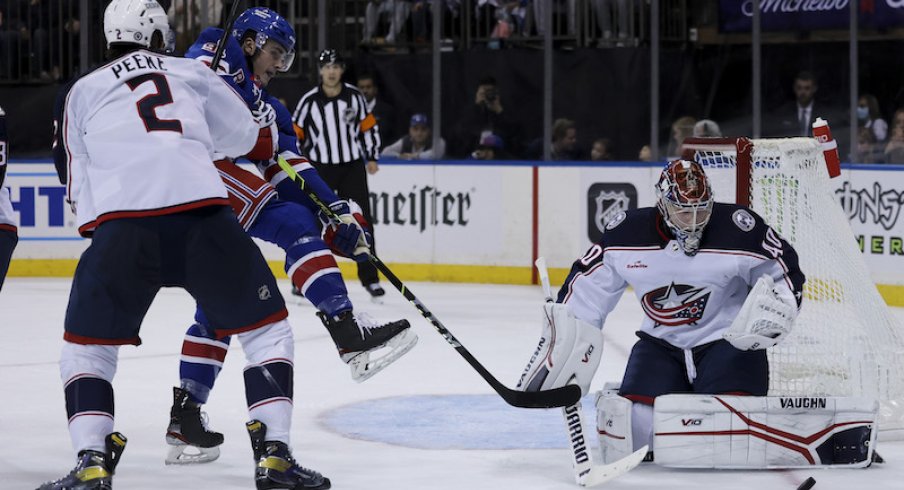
(329, 57)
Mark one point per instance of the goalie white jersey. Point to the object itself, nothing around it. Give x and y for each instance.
(178, 110)
(687, 300)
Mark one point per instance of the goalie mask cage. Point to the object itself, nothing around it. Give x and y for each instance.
(845, 341)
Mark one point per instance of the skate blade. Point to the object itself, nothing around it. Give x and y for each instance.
(377, 300)
(365, 365)
(187, 454)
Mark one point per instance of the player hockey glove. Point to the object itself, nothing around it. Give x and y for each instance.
(348, 237)
(263, 113)
(765, 318)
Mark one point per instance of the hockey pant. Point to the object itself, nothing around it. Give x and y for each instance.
(311, 267)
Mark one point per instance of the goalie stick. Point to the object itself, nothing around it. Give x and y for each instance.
(559, 397)
(586, 473)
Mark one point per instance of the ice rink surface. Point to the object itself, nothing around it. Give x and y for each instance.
(427, 422)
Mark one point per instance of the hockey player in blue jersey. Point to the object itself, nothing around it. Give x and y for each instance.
(276, 210)
(717, 286)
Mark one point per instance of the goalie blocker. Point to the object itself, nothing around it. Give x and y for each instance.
(716, 431)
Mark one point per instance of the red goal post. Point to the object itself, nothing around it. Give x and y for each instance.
(846, 341)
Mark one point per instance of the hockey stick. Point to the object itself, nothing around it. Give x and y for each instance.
(221, 46)
(558, 397)
(586, 473)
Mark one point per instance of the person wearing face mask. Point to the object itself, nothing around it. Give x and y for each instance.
(868, 116)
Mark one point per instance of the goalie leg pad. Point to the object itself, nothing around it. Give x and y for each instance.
(613, 425)
(720, 431)
(569, 351)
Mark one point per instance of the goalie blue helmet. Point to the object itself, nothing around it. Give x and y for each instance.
(266, 24)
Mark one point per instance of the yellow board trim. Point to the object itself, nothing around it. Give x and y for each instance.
(485, 274)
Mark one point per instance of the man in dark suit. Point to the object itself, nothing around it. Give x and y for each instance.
(382, 110)
(796, 118)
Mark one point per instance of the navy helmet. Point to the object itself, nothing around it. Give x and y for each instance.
(267, 24)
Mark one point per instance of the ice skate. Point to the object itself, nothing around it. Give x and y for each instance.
(359, 338)
(376, 292)
(94, 470)
(275, 466)
(190, 440)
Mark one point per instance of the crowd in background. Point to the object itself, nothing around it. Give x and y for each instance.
(39, 44)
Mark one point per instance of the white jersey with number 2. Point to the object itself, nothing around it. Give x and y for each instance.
(138, 135)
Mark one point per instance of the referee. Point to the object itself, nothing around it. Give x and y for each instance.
(342, 140)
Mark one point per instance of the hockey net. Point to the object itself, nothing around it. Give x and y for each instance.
(845, 341)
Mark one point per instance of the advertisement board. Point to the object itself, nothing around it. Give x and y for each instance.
(475, 222)
(808, 15)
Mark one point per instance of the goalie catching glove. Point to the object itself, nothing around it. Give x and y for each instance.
(569, 352)
(765, 318)
(350, 236)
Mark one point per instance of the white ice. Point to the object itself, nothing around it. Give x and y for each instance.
(498, 324)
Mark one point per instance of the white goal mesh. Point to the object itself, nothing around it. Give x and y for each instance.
(845, 341)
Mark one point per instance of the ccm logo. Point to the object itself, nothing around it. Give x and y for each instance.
(691, 422)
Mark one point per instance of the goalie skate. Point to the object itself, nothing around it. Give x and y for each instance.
(191, 442)
(366, 346)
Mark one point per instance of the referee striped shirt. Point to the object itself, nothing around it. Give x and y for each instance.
(336, 129)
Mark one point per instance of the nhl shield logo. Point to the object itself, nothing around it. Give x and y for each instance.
(607, 204)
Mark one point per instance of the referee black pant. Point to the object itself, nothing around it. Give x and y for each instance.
(349, 181)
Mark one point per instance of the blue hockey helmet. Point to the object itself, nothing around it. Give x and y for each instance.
(266, 24)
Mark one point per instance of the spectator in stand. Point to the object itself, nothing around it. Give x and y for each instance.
(796, 117)
(612, 18)
(570, 7)
(188, 19)
(418, 143)
(601, 150)
(40, 20)
(869, 116)
(396, 10)
(422, 16)
(706, 128)
(868, 149)
(490, 147)
(894, 150)
(382, 110)
(13, 33)
(682, 128)
(486, 114)
(564, 142)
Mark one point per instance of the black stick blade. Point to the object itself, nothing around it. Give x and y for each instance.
(807, 484)
(558, 397)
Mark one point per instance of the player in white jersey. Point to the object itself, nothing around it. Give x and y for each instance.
(8, 232)
(135, 144)
(691, 263)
